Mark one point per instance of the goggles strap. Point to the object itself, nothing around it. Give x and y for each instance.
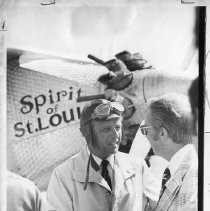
(91, 162)
(94, 165)
(87, 174)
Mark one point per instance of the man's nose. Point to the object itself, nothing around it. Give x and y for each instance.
(115, 133)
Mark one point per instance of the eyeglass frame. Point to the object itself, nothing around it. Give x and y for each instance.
(144, 128)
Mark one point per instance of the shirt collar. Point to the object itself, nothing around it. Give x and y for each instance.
(99, 160)
(178, 157)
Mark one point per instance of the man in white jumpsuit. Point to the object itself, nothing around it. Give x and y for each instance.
(100, 177)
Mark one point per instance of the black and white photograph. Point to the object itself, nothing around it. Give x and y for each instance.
(104, 105)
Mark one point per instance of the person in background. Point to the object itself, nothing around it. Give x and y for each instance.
(100, 177)
(193, 98)
(23, 194)
(167, 126)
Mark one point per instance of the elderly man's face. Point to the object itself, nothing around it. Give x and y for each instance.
(106, 137)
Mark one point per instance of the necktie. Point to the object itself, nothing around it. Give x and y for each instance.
(166, 177)
(105, 172)
(147, 158)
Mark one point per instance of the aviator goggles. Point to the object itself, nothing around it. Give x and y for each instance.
(144, 128)
(104, 110)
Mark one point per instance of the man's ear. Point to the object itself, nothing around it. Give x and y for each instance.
(163, 133)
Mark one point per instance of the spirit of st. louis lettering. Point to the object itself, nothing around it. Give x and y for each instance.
(47, 111)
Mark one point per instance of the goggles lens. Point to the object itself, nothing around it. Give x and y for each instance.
(104, 110)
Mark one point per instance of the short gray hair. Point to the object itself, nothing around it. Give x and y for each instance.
(173, 112)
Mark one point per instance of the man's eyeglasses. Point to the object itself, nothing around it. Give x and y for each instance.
(144, 128)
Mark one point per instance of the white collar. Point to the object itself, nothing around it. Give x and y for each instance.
(99, 160)
(178, 157)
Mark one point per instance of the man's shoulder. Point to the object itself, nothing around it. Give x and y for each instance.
(192, 172)
(191, 160)
(17, 179)
(190, 178)
(69, 164)
(19, 185)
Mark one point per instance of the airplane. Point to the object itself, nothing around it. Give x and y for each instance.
(46, 94)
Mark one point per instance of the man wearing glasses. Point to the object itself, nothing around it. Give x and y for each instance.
(99, 177)
(167, 126)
